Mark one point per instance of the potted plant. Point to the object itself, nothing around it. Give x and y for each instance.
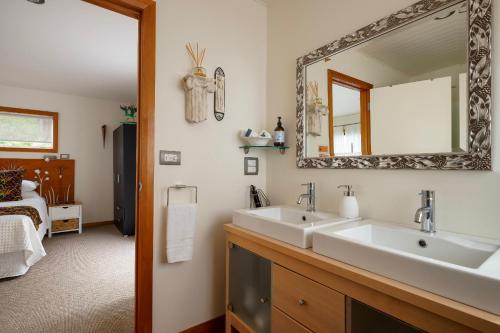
(130, 112)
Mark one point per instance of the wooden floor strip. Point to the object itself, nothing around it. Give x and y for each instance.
(96, 224)
(215, 325)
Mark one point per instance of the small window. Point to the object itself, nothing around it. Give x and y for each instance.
(28, 130)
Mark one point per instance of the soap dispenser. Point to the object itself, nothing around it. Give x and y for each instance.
(349, 207)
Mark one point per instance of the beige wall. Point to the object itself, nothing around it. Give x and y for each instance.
(466, 201)
(234, 33)
(80, 121)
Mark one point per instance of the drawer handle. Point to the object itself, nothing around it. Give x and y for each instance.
(302, 302)
(66, 207)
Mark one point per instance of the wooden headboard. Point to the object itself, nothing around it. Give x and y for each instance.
(57, 177)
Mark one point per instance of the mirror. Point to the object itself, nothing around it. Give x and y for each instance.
(402, 93)
(399, 89)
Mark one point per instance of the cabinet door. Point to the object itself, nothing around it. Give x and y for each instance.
(362, 318)
(118, 166)
(250, 289)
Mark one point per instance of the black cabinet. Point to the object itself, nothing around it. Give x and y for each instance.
(124, 167)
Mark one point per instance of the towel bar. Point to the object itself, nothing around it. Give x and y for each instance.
(181, 187)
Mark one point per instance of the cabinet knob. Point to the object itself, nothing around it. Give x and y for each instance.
(302, 302)
(263, 300)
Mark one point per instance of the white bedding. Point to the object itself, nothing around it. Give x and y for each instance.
(20, 243)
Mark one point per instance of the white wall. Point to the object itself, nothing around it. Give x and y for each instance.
(411, 118)
(80, 121)
(364, 67)
(466, 201)
(234, 33)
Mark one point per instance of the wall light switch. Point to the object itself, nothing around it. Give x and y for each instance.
(170, 157)
(251, 166)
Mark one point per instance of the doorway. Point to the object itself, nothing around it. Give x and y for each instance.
(349, 99)
(145, 12)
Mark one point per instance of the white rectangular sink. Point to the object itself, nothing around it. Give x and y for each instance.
(288, 224)
(462, 268)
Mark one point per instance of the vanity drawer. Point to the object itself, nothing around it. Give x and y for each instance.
(280, 323)
(315, 306)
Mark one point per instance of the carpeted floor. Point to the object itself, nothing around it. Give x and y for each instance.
(84, 284)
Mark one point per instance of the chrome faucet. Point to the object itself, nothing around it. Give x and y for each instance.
(425, 215)
(311, 197)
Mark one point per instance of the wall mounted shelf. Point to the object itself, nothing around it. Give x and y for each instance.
(282, 149)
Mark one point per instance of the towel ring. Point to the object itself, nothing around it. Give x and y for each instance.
(182, 187)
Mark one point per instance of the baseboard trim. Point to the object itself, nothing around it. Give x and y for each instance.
(216, 325)
(96, 224)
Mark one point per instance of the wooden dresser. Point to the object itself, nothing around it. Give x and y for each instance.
(313, 293)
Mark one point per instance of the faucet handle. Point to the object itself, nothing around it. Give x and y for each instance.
(349, 191)
(427, 193)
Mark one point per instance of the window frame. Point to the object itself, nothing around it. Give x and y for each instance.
(55, 130)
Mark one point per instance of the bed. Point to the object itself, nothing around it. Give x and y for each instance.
(20, 243)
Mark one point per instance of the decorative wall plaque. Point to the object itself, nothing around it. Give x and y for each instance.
(220, 94)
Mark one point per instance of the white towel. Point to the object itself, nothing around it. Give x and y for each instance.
(181, 224)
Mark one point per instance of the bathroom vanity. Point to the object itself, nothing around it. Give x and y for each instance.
(272, 286)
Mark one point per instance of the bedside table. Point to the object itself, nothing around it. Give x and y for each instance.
(65, 218)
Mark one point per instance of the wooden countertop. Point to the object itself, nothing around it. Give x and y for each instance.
(273, 250)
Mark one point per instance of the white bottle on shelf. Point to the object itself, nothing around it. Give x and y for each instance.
(348, 207)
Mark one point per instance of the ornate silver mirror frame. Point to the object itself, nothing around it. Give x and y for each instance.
(479, 59)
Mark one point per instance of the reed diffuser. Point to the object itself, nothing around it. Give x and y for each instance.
(313, 90)
(197, 87)
(197, 58)
(315, 108)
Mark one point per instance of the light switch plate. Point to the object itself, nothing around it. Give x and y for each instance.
(251, 166)
(168, 157)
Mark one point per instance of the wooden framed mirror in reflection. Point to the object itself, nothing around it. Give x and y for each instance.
(349, 115)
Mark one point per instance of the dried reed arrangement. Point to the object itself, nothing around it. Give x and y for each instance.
(197, 58)
(313, 89)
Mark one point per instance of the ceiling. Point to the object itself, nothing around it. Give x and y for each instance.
(68, 46)
(424, 46)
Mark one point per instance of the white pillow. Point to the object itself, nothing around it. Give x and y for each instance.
(28, 186)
